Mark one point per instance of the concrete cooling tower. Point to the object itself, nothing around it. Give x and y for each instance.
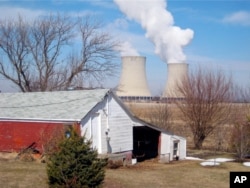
(176, 72)
(133, 81)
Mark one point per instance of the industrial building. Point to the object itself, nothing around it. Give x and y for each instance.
(176, 72)
(133, 85)
(133, 80)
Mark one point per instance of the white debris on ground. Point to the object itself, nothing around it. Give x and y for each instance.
(220, 160)
(246, 164)
(194, 158)
(211, 162)
(215, 162)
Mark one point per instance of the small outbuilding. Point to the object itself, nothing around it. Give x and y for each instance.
(27, 119)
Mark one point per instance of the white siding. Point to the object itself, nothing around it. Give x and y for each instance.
(86, 129)
(183, 147)
(96, 132)
(113, 120)
(172, 140)
(120, 128)
(91, 127)
(167, 145)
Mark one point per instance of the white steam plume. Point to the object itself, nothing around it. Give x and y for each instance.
(159, 25)
(126, 49)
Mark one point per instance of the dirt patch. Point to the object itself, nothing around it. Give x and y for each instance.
(8, 156)
(110, 183)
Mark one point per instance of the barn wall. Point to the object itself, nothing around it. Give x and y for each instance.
(165, 144)
(115, 124)
(120, 128)
(86, 128)
(93, 126)
(15, 136)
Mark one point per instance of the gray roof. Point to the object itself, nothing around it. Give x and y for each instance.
(46, 106)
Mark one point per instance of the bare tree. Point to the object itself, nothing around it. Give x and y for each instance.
(161, 116)
(240, 133)
(47, 38)
(206, 103)
(158, 114)
(14, 66)
(35, 55)
(241, 138)
(50, 140)
(97, 53)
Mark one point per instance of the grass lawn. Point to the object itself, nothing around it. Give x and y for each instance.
(147, 174)
(174, 175)
(18, 174)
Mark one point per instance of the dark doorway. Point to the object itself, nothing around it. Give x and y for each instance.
(146, 142)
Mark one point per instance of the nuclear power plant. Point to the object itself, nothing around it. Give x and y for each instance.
(176, 72)
(133, 81)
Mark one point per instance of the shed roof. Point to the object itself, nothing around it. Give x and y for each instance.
(46, 106)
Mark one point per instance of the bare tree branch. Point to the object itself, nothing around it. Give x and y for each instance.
(97, 55)
(206, 104)
(33, 54)
(161, 115)
(48, 36)
(240, 134)
(13, 37)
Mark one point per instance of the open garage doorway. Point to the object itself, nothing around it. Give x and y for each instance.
(146, 143)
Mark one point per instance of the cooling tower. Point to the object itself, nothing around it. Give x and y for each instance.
(133, 81)
(176, 72)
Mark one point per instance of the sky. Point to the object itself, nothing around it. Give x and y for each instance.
(205, 33)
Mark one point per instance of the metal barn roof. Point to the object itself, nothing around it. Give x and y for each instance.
(46, 106)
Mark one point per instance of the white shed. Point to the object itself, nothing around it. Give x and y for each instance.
(113, 129)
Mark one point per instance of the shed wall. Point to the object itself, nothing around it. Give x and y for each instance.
(120, 128)
(115, 124)
(167, 145)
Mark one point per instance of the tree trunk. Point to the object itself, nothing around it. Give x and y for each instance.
(198, 141)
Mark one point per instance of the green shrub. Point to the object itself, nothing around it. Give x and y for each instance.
(75, 164)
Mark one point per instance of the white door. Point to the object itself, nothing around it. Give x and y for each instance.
(96, 132)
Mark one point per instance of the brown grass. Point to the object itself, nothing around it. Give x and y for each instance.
(147, 174)
(18, 174)
(176, 174)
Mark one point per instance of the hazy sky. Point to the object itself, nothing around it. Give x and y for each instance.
(199, 32)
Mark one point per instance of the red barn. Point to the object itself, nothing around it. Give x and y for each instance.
(17, 135)
(30, 119)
